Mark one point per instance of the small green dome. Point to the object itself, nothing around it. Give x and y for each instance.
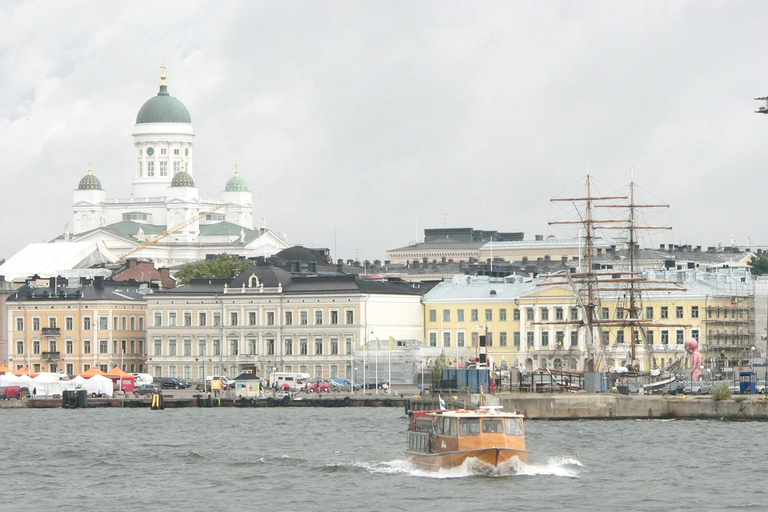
(163, 108)
(182, 179)
(236, 184)
(89, 181)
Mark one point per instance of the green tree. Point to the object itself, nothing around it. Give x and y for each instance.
(759, 265)
(225, 266)
(437, 368)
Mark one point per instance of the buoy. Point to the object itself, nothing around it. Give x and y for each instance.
(157, 402)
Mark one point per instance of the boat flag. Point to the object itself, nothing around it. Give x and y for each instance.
(442, 402)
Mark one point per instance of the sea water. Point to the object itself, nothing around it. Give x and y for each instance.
(351, 459)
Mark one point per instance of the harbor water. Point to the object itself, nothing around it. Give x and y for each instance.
(351, 459)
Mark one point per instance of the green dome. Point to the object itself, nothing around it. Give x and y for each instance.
(236, 184)
(89, 181)
(182, 179)
(163, 108)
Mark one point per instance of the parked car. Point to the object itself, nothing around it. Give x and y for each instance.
(146, 389)
(9, 392)
(339, 384)
(377, 385)
(173, 383)
(317, 386)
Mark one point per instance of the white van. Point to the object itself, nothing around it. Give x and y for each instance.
(295, 381)
(142, 378)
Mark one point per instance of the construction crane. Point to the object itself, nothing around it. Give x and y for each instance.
(155, 239)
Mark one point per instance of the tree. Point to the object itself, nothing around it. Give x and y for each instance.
(437, 368)
(759, 265)
(225, 266)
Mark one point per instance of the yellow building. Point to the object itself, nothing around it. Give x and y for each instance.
(69, 329)
(534, 324)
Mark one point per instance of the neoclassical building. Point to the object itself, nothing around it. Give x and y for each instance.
(164, 218)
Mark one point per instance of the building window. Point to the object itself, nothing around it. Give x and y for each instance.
(529, 314)
(460, 339)
(695, 334)
(187, 372)
(187, 347)
(158, 347)
(649, 337)
(172, 371)
(87, 323)
(559, 339)
(516, 315)
(679, 312)
(233, 347)
(86, 346)
(318, 346)
(288, 346)
(545, 339)
(334, 317)
(20, 324)
(502, 339)
(201, 347)
(172, 347)
(664, 312)
(176, 164)
(488, 315)
(489, 339)
(620, 336)
(318, 317)
(104, 323)
(446, 338)
(163, 151)
(103, 346)
(432, 315)
(150, 168)
(544, 314)
(158, 319)
(558, 313)
(303, 346)
(460, 315)
(270, 318)
(694, 311)
(217, 319)
(433, 339)
(202, 318)
(233, 318)
(649, 312)
(473, 315)
(187, 319)
(665, 337)
(172, 319)
(605, 337)
(503, 315)
(289, 318)
(303, 318)
(516, 338)
(19, 347)
(348, 345)
(605, 314)
(620, 313)
(35, 324)
(574, 338)
(446, 315)
(69, 323)
(574, 313)
(334, 346)
(680, 335)
(216, 348)
(69, 347)
(350, 316)
(163, 168)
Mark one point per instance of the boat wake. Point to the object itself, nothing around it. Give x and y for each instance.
(562, 467)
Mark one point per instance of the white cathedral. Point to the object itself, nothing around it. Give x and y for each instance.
(164, 219)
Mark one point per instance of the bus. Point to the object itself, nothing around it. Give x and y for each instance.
(294, 381)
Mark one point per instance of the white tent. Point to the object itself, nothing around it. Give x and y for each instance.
(47, 385)
(54, 259)
(97, 384)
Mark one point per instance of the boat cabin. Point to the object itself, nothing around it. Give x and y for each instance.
(462, 430)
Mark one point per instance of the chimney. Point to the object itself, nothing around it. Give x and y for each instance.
(98, 283)
(296, 267)
(313, 267)
(539, 238)
(661, 247)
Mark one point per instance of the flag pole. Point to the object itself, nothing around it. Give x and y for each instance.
(376, 384)
(389, 364)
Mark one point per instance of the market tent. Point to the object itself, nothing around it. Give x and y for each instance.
(117, 375)
(91, 372)
(4, 369)
(9, 379)
(47, 385)
(96, 385)
(24, 370)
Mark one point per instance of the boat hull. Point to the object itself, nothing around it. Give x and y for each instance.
(446, 460)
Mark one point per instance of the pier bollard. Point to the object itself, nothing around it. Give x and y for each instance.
(157, 402)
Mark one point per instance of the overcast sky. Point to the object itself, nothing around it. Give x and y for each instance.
(354, 123)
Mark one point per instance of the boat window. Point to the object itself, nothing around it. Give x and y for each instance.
(470, 426)
(492, 427)
(448, 427)
(514, 426)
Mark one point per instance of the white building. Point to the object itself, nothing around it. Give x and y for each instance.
(164, 218)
